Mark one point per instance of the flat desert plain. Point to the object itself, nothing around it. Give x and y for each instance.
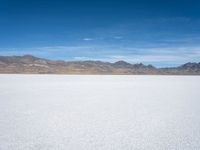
(58, 112)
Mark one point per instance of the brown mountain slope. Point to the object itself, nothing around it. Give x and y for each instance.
(32, 65)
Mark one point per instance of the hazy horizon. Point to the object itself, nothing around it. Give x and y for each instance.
(104, 61)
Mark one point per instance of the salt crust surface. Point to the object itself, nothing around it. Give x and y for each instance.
(58, 112)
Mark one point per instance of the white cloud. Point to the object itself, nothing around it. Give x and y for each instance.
(88, 39)
(111, 53)
(82, 58)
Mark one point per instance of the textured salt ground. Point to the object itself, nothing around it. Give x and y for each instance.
(48, 112)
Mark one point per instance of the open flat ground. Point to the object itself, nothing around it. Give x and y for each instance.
(57, 112)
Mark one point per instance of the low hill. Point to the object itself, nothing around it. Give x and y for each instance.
(29, 64)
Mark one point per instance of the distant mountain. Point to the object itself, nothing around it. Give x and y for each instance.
(29, 64)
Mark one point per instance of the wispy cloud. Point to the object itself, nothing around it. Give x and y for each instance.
(118, 37)
(159, 56)
(88, 39)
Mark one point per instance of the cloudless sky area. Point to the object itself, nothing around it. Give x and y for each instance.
(159, 32)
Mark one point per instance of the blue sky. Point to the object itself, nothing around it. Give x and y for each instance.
(158, 32)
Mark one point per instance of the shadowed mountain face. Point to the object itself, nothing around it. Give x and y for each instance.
(29, 64)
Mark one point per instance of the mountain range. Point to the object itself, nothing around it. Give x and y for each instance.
(29, 64)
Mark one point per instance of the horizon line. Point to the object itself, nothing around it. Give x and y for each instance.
(85, 60)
